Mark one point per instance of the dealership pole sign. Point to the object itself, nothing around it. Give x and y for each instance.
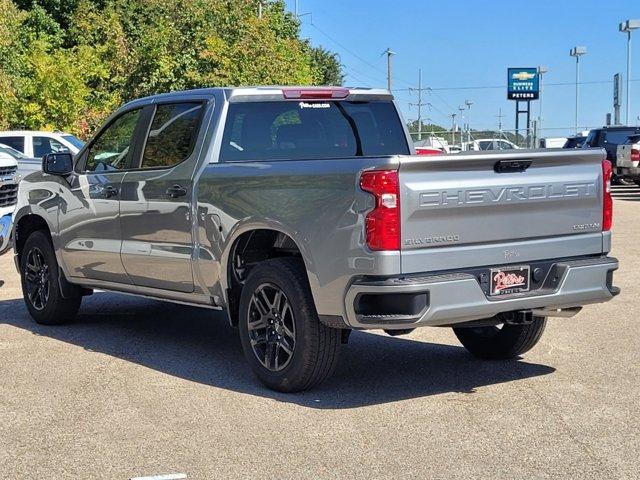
(523, 84)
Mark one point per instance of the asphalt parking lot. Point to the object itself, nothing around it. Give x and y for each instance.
(138, 387)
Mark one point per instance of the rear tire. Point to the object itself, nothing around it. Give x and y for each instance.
(286, 345)
(494, 343)
(40, 286)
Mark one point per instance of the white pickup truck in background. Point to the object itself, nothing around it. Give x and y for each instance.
(628, 159)
(9, 179)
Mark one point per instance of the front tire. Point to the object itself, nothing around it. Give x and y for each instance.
(40, 286)
(501, 343)
(286, 345)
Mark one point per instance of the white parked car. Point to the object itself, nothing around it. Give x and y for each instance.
(8, 197)
(553, 142)
(491, 144)
(433, 142)
(26, 165)
(35, 144)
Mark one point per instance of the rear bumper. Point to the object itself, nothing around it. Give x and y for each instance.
(450, 298)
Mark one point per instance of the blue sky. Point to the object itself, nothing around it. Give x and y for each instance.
(468, 43)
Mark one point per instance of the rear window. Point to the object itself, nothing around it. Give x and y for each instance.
(311, 130)
(618, 137)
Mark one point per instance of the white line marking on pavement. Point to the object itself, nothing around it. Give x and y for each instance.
(170, 476)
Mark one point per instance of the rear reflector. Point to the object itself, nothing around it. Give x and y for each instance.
(314, 93)
(607, 200)
(383, 222)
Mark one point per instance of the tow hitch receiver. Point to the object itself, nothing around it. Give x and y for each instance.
(519, 317)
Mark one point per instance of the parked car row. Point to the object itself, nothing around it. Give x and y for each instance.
(21, 153)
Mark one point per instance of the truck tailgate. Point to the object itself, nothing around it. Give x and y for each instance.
(487, 209)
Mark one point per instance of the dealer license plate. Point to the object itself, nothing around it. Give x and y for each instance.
(510, 280)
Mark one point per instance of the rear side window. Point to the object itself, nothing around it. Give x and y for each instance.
(13, 142)
(311, 130)
(173, 134)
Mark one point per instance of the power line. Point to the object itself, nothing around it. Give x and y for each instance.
(486, 87)
(366, 62)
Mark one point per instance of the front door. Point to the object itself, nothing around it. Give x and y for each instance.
(89, 217)
(155, 206)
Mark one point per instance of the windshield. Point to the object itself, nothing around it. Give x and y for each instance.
(76, 142)
(12, 151)
(312, 130)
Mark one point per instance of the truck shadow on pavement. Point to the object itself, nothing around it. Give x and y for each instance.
(198, 345)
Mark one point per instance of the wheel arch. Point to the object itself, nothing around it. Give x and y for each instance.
(258, 242)
(25, 223)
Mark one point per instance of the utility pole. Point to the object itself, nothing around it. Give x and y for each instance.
(389, 54)
(577, 52)
(500, 123)
(419, 104)
(468, 104)
(453, 130)
(296, 9)
(260, 9)
(462, 109)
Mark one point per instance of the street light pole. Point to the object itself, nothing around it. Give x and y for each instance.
(541, 72)
(577, 52)
(627, 27)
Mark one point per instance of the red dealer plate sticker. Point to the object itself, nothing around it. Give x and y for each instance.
(510, 280)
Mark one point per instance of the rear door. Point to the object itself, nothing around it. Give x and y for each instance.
(461, 212)
(156, 212)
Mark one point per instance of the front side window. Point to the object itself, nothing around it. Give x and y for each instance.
(13, 142)
(311, 130)
(112, 150)
(173, 134)
(45, 145)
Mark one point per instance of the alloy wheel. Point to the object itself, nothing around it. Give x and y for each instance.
(271, 327)
(36, 273)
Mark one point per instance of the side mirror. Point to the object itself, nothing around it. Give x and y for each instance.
(57, 164)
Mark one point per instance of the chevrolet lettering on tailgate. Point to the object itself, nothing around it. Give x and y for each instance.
(498, 195)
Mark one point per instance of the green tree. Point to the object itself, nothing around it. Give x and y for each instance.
(68, 64)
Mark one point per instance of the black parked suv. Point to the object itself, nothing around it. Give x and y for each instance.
(609, 138)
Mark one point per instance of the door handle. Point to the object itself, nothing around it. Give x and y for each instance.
(110, 191)
(176, 191)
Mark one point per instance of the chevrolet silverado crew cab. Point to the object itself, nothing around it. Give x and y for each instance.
(304, 213)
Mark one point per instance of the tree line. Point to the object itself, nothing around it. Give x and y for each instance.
(67, 64)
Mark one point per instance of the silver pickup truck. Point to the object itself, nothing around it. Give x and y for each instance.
(303, 213)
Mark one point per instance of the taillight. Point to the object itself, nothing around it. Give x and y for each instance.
(635, 155)
(314, 93)
(607, 200)
(383, 222)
